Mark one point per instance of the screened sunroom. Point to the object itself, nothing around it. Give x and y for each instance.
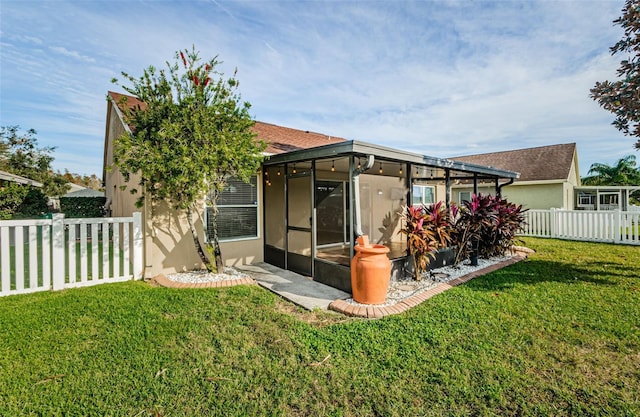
(318, 200)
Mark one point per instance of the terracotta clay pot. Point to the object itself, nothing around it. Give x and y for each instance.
(370, 274)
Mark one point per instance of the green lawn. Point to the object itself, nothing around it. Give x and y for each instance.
(558, 334)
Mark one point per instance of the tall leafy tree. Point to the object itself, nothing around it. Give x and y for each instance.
(624, 172)
(622, 97)
(20, 155)
(92, 181)
(193, 135)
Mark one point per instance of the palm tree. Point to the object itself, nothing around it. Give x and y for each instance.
(624, 172)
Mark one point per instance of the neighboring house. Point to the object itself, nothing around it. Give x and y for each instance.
(85, 202)
(549, 176)
(54, 202)
(302, 210)
(6, 177)
(604, 197)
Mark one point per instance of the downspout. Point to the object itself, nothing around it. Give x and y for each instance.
(511, 180)
(475, 183)
(355, 181)
(447, 189)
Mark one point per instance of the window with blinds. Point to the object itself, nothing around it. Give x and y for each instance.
(237, 211)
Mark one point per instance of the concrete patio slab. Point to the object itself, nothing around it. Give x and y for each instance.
(296, 288)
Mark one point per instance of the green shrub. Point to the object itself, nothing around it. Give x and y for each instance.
(11, 196)
(83, 206)
(35, 204)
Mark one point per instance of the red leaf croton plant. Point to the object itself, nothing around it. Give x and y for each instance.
(486, 224)
(427, 230)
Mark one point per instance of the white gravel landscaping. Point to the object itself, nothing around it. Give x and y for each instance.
(202, 276)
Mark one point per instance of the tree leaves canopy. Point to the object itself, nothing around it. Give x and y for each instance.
(193, 134)
(20, 155)
(624, 172)
(622, 97)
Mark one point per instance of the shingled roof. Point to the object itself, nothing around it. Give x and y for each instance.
(284, 139)
(543, 163)
(131, 100)
(279, 139)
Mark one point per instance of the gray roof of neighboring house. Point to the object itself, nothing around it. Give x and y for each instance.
(534, 164)
(7, 176)
(74, 187)
(87, 192)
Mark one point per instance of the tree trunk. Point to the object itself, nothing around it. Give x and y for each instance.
(216, 244)
(196, 241)
(416, 271)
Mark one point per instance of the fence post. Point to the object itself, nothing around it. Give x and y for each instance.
(554, 222)
(617, 226)
(138, 242)
(57, 251)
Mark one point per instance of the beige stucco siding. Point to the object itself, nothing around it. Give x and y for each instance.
(169, 245)
(169, 242)
(121, 202)
(542, 196)
(172, 248)
(531, 196)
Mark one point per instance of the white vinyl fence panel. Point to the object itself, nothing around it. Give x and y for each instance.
(59, 253)
(597, 226)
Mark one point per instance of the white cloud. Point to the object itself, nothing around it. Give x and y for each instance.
(72, 54)
(442, 78)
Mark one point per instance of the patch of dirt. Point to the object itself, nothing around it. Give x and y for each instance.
(316, 317)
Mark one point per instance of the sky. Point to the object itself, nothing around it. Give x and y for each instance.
(440, 78)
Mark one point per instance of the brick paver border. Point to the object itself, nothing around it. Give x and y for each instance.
(376, 312)
(163, 281)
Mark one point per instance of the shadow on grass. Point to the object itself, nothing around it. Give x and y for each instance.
(531, 272)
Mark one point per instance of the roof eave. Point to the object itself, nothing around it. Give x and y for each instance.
(353, 147)
(7, 176)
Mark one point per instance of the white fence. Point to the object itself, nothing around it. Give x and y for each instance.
(597, 226)
(59, 253)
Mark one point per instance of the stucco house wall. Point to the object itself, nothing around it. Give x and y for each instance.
(168, 244)
(536, 196)
(540, 196)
